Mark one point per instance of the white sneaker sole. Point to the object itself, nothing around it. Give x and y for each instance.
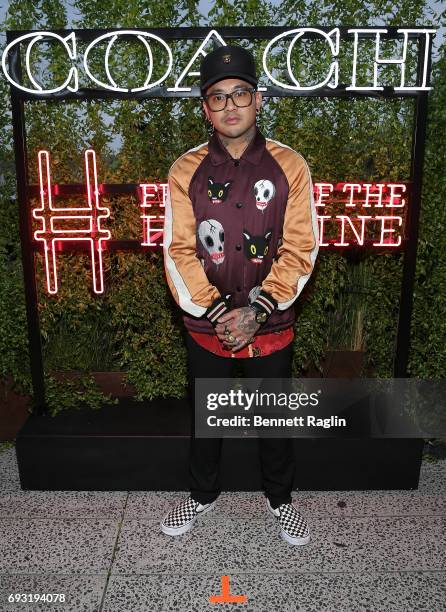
(176, 531)
(284, 534)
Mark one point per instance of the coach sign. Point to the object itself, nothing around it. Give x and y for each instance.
(288, 38)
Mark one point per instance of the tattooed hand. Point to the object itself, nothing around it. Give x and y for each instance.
(236, 328)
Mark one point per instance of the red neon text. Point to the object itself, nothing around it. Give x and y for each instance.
(348, 214)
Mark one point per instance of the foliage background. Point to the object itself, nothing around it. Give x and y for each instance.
(349, 302)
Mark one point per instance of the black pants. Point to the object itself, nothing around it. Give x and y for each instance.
(276, 454)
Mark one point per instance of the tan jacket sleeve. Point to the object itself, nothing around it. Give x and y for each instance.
(297, 254)
(185, 275)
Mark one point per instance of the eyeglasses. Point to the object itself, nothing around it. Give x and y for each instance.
(240, 97)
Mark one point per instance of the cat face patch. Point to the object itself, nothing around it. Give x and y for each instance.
(264, 191)
(212, 237)
(256, 247)
(217, 192)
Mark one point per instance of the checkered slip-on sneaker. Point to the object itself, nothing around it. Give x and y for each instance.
(181, 518)
(293, 526)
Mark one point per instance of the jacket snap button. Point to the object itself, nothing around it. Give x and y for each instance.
(239, 204)
(238, 247)
(236, 163)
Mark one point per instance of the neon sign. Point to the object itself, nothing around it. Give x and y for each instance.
(381, 226)
(360, 196)
(152, 194)
(332, 39)
(66, 226)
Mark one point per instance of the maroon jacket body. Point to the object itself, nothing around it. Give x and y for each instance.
(239, 231)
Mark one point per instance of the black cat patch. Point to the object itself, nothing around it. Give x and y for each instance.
(256, 247)
(217, 192)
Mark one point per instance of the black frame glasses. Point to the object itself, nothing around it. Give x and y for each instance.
(251, 90)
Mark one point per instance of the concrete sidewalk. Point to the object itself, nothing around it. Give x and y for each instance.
(370, 550)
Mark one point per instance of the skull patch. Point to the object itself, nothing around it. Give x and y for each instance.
(212, 237)
(264, 191)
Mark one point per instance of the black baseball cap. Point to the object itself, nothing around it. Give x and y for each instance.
(225, 62)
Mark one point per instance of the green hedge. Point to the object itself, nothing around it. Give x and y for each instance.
(135, 325)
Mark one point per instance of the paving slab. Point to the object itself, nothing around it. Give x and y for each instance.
(309, 592)
(338, 544)
(66, 546)
(60, 504)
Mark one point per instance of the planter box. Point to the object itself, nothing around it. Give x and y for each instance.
(144, 446)
(13, 411)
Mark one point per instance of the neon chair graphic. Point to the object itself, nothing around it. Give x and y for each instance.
(59, 222)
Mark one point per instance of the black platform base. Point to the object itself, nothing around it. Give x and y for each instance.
(134, 446)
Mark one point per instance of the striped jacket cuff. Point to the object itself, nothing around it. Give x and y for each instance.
(218, 307)
(265, 302)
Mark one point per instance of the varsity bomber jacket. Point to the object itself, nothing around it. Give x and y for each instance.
(239, 231)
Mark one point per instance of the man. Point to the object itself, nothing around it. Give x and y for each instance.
(240, 242)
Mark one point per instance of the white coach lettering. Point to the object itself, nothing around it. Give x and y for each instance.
(200, 51)
(142, 37)
(401, 61)
(35, 37)
(334, 68)
(331, 80)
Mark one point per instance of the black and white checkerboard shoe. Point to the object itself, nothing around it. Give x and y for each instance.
(183, 516)
(293, 526)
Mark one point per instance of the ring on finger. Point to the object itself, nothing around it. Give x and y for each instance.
(231, 338)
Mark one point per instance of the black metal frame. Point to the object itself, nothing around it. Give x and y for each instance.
(28, 246)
